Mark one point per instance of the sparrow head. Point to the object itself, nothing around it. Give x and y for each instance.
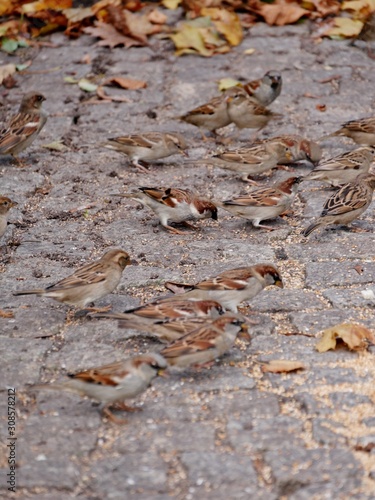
(232, 322)
(118, 257)
(179, 142)
(274, 77)
(6, 204)
(32, 101)
(235, 95)
(269, 274)
(312, 151)
(150, 361)
(290, 184)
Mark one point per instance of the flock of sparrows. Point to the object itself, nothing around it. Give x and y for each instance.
(199, 322)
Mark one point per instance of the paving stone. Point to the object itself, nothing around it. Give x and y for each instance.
(286, 300)
(209, 470)
(21, 360)
(327, 432)
(114, 477)
(342, 299)
(325, 274)
(248, 434)
(299, 472)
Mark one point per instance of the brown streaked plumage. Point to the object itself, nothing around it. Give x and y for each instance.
(111, 384)
(266, 89)
(5, 205)
(174, 205)
(89, 283)
(362, 131)
(24, 127)
(264, 203)
(205, 343)
(148, 147)
(231, 287)
(346, 204)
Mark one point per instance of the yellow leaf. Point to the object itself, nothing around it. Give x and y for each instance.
(227, 23)
(189, 39)
(226, 83)
(354, 336)
(282, 365)
(171, 4)
(345, 27)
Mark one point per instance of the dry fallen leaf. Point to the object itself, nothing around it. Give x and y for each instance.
(105, 97)
(56, 146)
(344, 27)
(279, 12)
(354, 336)
(282, 365)
(227, 23)
(125, 83)
(6, 314)
(226, 83)
(110, 36)
(6, 71)
(321, 107)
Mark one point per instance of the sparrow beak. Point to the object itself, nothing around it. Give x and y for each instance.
(13, 204)
(163, 373)
(289, 156)
(184, 153)
(279, 283)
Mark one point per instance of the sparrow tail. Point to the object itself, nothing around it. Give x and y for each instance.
(310, 229)
(178, 288)
(37, 291)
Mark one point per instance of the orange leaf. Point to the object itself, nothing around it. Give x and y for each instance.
(110, 36)
(125, 83)
(354, 336)
(282, 365)
(279, 12)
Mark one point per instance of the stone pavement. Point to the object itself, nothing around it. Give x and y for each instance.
(231, 431)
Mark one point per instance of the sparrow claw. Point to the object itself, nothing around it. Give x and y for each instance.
(131, 409)
(113, 418)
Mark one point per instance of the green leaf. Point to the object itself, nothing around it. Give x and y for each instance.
(87, 86)
(9, 45)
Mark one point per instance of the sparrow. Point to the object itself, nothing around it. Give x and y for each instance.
(231, 287)
(213, 114)
(253, 160)
(246, 112)
(206, 343)
(149, 146)
(266, 89)
(301, 148)
(346, 204)
(89, 283)
(24, 127)
(344, 168)
(111, 384)
(174, 205)
(5, 205)
(264, 203)
(168, 318)
(362, 131)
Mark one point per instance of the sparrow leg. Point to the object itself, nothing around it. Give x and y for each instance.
(173, 229)
(190, 226)
(131, 409)
(113, 418)
(140, 167)
(19, 163)
(247, 179)
(269, 228)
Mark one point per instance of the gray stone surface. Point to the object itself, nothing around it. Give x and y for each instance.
(231, 431)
